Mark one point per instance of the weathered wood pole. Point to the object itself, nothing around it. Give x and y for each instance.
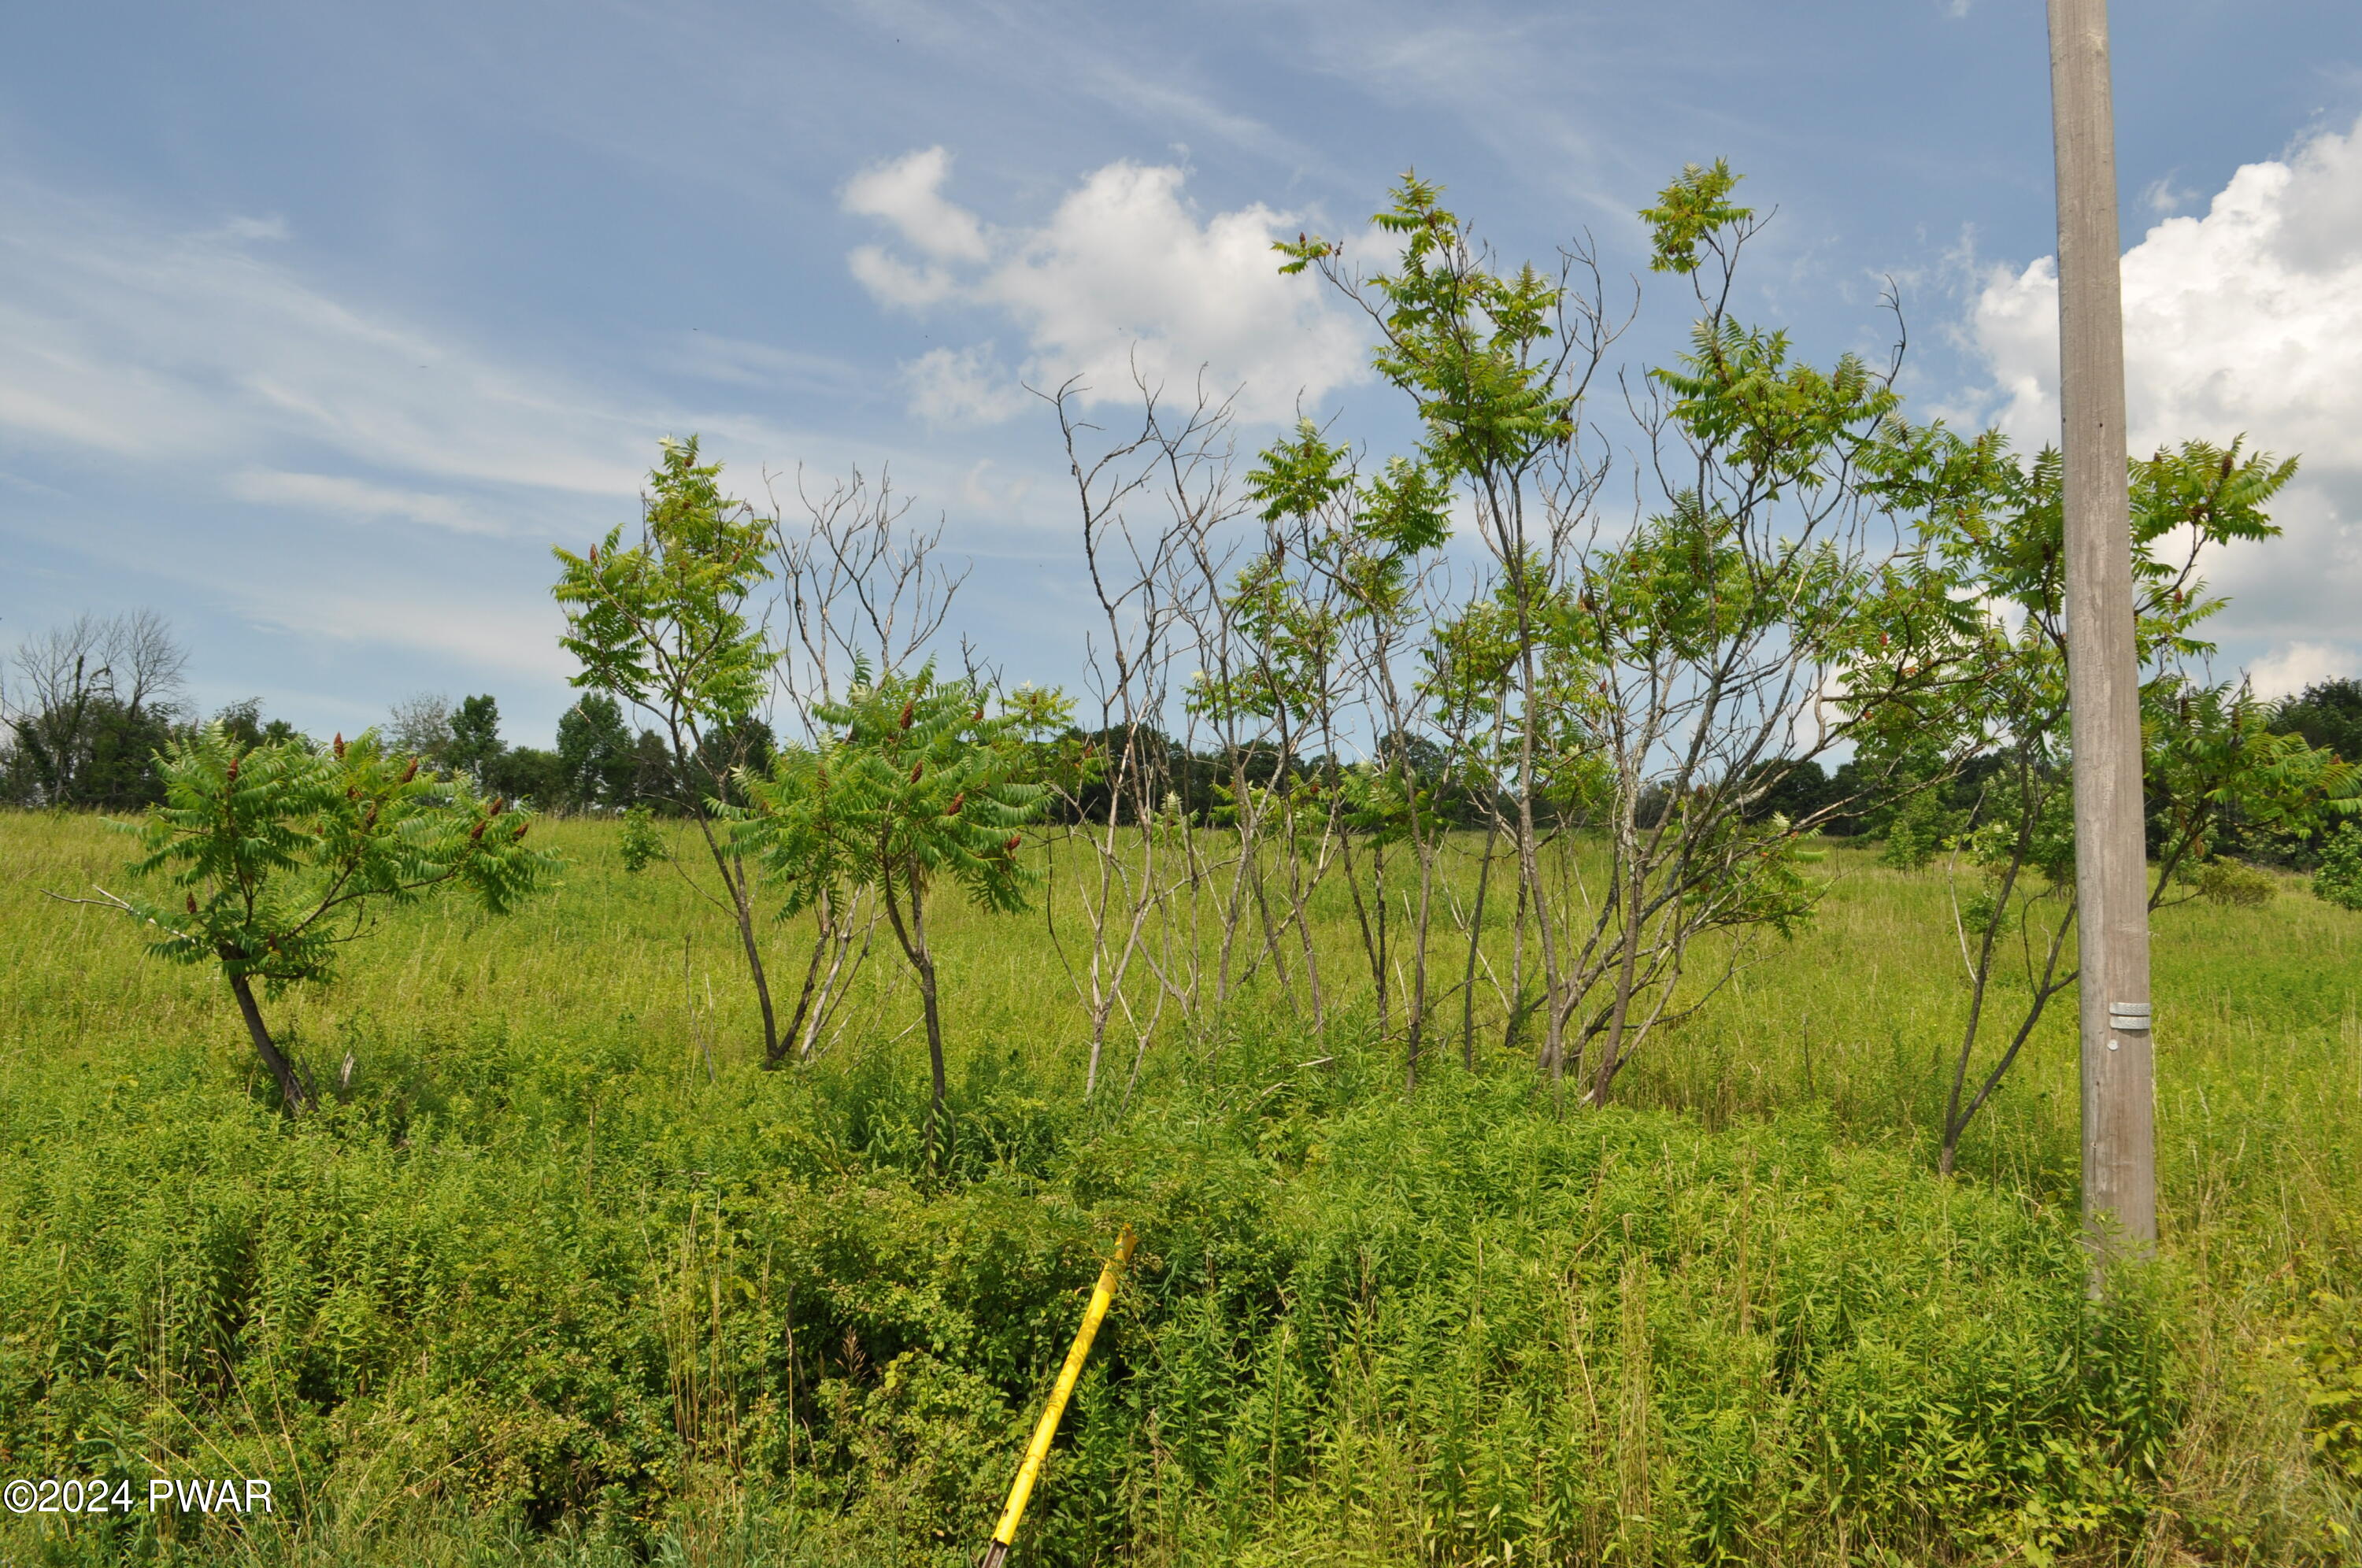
(2103, 676)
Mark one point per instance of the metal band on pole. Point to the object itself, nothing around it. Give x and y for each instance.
(1021, 1490)
(2102, 672)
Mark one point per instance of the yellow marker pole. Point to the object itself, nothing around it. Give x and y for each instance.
(1021, 1490)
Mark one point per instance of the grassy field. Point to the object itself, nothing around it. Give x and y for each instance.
(561, 1275)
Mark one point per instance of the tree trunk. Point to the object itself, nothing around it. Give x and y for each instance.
(913, 938)
(1612, 1055)
(733, 869)
(295, 1098)
(924, 960)
(1475, 935)
(743, 905)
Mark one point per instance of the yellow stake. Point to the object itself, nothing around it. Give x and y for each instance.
(1022, 1489)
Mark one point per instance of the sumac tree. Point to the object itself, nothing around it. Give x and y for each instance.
(278, 855)
(662, 623)
(915, 783)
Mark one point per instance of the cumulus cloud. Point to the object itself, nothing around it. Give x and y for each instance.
(2246, 320)
(2291, 669)
(894, 282)
(962, 386)
(1124, 275)
(908, 193)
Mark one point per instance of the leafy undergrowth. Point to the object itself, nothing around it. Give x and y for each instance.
(559, 1276)
(1361, 1327)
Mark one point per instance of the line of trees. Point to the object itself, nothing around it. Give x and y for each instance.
(1827, 619)
(88, 710)
(1460, 688)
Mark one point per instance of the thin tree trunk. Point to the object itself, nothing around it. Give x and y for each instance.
(742, 908)
(744, 905)
(1612, 1054)
(294, 1096)
(1425, 919)
(1953, 1123)
(922, 960)
(1475, 935)
(2050, 985)
(775, 1050)
(1373, 943)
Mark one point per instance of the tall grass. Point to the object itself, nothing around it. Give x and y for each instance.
(559, 1274)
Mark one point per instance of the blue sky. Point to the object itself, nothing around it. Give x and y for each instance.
(319, 325)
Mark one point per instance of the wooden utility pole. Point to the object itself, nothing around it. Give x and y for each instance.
(2102, 672)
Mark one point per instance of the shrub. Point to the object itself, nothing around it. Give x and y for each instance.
(642, 845)
(2339, 880)
(2229, 883)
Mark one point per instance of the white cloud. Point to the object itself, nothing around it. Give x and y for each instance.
(189, 349)
(2247, 320)
(1124, 275)
(908, 193)
(716, 357)
(963, 386)
(340, 494)
(2162, 197)
(479, 632)
(978, 488)
(273, 228)
(2291, 669)
(894, 282)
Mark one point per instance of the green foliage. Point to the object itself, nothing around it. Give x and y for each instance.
(96, 755)
(2339, 878)
(282, 851)
(1458, 1320)
(922, 785)
(243, 723)
(1690, 212)
(1473, 347)
(475, 736)
(2329, 1354)
(1917, 829)
(2215, 771)
(641, 846)
(535, 1290)
(2328, 714)
(1300, 476)
(666, 625)
(2218, 771)
(2229, 883)
(663, 622)
(595, 760)
(529, 774)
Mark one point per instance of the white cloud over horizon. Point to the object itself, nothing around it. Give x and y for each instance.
(2246, 320)
(1123, 279)
(2289, 670)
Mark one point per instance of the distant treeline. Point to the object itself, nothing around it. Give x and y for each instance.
(97, 700)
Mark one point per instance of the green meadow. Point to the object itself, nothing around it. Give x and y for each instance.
(559, 1274)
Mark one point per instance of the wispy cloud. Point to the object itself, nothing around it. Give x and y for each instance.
(183, 348)
(342, 494)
